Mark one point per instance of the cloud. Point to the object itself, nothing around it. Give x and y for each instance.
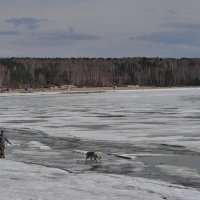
(29, 22)
(60, 35)
(188, 26)
(171, 11)
(177, 33)
(10, 33)
(185, 37)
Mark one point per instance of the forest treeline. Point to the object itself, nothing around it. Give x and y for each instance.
(96, 72)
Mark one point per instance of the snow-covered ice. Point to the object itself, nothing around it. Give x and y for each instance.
(23, 182)
(157, 130)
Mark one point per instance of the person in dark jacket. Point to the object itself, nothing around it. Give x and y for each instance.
(3, 140)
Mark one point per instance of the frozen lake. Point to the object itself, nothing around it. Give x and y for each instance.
(158, 129)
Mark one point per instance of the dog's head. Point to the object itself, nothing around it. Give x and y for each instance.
(97, 155)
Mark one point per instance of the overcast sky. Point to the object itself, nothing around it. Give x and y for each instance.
(99, 28)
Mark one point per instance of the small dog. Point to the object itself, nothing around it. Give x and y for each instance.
(93, 154)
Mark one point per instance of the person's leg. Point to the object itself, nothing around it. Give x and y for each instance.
(3, 148)
(1, 151)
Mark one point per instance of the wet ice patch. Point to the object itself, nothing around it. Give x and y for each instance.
(125, 156)
(148, 154)
(189, 144)
(38, 145)
(180, 171)
(136, 155)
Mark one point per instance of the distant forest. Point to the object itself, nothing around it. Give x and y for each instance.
(98, 72)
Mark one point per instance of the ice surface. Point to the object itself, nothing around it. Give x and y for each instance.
(55, 130)
(130, 116)
(180, 171)
(22, 181)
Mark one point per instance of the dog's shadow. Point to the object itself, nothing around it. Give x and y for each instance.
(95, 167)
(89, 162)
(92, 162)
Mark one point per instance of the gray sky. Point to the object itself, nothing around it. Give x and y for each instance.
(100, 28)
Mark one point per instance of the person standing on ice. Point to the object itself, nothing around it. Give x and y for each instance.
(3, 140)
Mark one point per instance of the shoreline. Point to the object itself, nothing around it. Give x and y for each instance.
(93, 89)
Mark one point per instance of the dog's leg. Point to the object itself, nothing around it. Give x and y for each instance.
(95, 158)
(87, 156)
